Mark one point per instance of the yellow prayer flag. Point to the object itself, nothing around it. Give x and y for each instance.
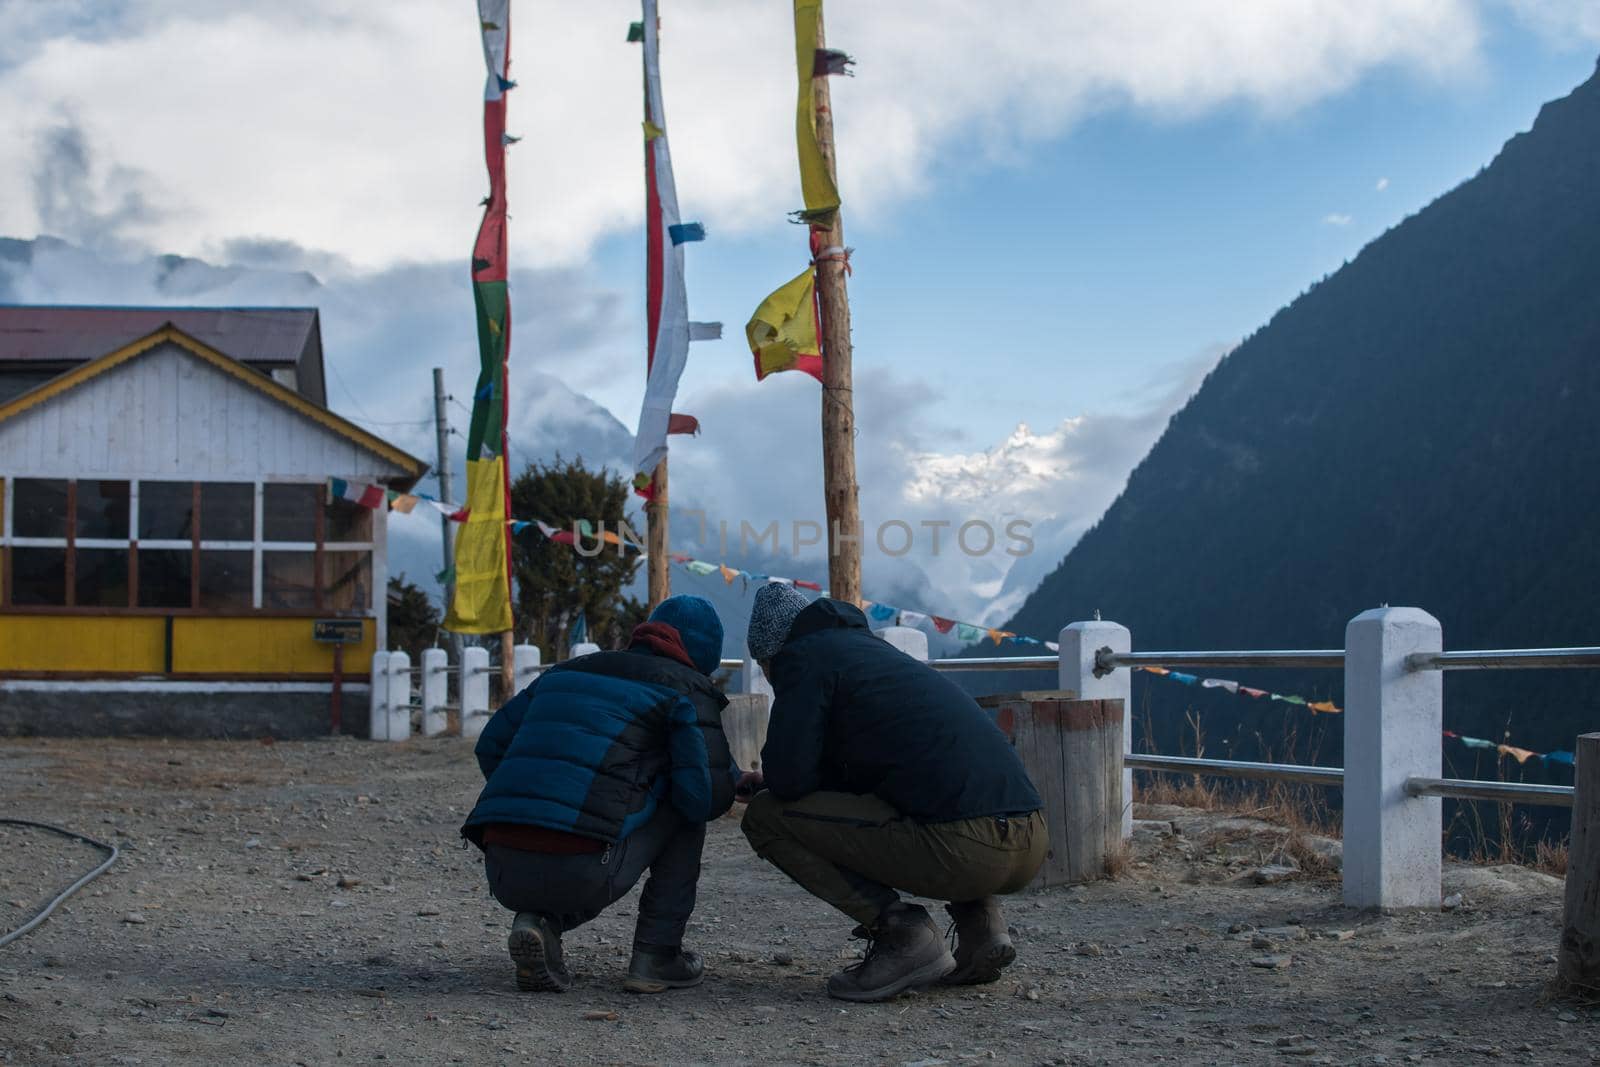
(821, 194)
(482, 603)
(783, 331)
(404, 503)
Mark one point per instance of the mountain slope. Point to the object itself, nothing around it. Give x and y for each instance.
(1419, 428)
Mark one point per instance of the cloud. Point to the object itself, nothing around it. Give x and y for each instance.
(1059, 481)
(1337, 219)
(79, 201)
(1383, 183)
(1573, 23)
(353, 127)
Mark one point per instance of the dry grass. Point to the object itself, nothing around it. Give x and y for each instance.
(1550, 857)
(1302, 809)
(1118, 857)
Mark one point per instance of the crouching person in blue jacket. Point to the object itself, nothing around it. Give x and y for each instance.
(607, 766)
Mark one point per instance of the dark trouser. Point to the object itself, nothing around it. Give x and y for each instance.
(571, 890)
(855, 851)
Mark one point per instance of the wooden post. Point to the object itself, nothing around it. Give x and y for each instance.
(838, 412)
(660, 577)
(508, 666)
(1072, 751)
(335, 712)
(1578, 965)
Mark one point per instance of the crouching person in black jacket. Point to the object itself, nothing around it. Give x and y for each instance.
(605, 767)
(882, 775)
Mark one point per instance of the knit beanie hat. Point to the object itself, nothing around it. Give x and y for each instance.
(696, 622)
(775, 607)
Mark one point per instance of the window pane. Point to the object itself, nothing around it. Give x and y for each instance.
(224, 576)
(100, 578)
(41, 509)
(163, 573)
(166, 513)
(288, 580)
(102, 509)
(349, 581)
(38, 575)
(289, 512)
(227, 513)
(347, 522)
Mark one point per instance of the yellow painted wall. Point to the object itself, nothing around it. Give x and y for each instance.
(132, 644)
(260, 646)
(83, 643)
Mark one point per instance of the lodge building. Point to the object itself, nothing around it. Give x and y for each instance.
(167, 540)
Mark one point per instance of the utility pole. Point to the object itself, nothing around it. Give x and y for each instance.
(655, 513)
(447, 540)
(838, 411)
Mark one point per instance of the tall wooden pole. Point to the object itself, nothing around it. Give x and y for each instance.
(656, 537)
(1578, 965)
(838, 399)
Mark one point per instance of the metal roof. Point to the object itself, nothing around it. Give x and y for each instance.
(65, 334)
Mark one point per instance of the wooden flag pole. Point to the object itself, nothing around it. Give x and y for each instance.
(838, 412)
(660, 578)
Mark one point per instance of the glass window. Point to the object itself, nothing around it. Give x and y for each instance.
(100, 577)
(288, 581)
(224, 576)
(166, 513)
(41, 508)
(164, 573)
(289, 512)
(348, 581)
(38, 575)
(102, 510)
(227, 513)
(346, 522)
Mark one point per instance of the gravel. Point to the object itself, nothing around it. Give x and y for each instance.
(311, 903)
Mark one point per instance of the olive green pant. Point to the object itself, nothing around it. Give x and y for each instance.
(855, 851)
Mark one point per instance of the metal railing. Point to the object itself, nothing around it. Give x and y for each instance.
(1106, 661)
(1505, 659)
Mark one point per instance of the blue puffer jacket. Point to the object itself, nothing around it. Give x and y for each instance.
(595, 744)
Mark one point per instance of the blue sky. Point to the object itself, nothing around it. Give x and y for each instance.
(1077, 276)
(1061, 217)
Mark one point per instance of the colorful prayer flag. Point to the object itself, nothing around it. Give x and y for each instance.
(667, 331)
(482, 602)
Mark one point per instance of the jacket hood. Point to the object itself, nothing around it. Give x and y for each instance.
(826, 614)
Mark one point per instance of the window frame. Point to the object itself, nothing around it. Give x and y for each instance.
(257, 546)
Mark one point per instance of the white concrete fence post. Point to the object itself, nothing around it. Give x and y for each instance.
(908, 639)
(1392, 720)
(524, 666)
(582, 648)
(1080, 643)
(435, 692)
(378, 698)
(396, 723)
(474, 691)
(753, 680)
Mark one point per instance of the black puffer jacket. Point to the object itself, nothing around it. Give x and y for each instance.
(853, 713)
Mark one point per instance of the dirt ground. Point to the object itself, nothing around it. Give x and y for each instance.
(310, 903)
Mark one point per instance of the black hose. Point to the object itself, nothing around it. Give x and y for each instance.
(71, 889)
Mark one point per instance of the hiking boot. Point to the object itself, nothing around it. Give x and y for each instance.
(656, 970)
(983, 947)
(535, 948)
(904, 951)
